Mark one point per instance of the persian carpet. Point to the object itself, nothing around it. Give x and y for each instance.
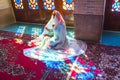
(15, 66)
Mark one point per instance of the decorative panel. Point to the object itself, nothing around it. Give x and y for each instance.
(68, 5)
(49, 4)
(116, 5)
(19, 4)
(33, 4)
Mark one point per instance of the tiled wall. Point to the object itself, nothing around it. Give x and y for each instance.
(88, 19)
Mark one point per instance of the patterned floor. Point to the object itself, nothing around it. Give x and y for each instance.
(14, 66)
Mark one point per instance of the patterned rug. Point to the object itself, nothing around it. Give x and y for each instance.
(107, 58)
(15, 66)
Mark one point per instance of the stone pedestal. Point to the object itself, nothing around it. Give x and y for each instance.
(88, 19)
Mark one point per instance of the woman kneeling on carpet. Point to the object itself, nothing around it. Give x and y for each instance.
(53, 47)
(55, 32)
(54, 40)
